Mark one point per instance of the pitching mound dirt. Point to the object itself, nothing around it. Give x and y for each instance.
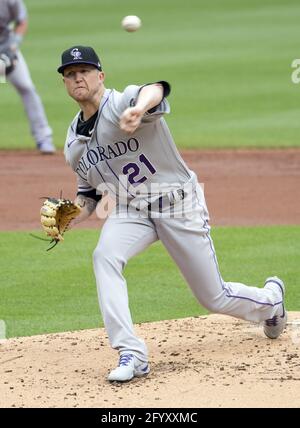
(213, 361)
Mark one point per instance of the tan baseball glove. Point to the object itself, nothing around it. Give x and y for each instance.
(56, 216)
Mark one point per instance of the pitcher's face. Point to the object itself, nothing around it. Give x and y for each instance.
(83, 81)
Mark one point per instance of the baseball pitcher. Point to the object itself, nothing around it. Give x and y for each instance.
(119, 142)
(13, 26)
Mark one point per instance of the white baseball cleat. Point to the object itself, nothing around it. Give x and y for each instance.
(129, 367)
(46, 148)
(273, 327)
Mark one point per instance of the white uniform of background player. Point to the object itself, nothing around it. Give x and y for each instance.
(13, 25)
(158, 197)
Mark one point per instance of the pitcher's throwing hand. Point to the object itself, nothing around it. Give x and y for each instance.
(131, 119)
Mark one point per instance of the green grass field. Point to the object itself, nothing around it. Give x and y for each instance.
(229, 63)
(55, 291)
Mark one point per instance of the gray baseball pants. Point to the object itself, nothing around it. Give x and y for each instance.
(188, 241)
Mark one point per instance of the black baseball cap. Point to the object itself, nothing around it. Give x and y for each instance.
(79, 55)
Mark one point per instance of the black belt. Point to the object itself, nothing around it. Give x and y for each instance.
(170, 199)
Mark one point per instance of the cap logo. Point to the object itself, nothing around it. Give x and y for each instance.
(76, 54)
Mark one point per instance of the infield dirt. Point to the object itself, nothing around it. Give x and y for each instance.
(242, 187)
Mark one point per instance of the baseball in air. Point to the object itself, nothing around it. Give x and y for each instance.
(131, 23)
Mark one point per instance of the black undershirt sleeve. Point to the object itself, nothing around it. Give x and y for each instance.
(91, 194)
(166, 91)
(166, 87)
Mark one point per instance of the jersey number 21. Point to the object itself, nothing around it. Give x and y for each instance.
(133, 170)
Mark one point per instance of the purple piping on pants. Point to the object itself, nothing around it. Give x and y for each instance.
(221, 280)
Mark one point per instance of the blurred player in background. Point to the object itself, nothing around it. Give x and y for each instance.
(13, 26)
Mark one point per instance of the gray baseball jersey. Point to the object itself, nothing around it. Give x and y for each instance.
(10, 11)
(131, 165)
